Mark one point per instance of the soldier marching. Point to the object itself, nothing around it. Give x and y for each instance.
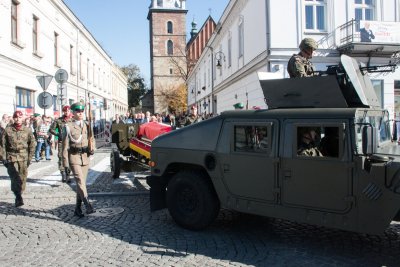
(18, 147)
(57, 129)
(75, 153)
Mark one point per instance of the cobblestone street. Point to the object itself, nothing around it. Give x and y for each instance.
(124, 232)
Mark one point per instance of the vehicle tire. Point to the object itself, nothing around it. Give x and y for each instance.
(115, 164)
(192, 200)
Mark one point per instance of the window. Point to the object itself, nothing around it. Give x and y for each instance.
(318, 141)
(241, 38)
(170, 47)
(35, 34)
(170, 71)
(364, 10)
(251, 138)
(315, 15)
(55, 49)
(80, 66)
(170, 28)
(24, 98)
(71, 59)
(14, 21)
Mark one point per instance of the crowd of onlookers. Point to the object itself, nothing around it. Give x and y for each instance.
(40, 126)
(174, 119)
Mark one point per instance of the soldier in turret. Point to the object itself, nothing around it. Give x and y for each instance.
(193, 117)
(299, 65)
(75, 144)
(18, 147)
(56, 129)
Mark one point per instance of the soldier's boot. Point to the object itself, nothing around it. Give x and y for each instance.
(78, 208)
(63, 177)
(18, 200)
(67, 174)
(88, 206)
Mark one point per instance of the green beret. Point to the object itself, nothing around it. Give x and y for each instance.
(36, 115)
(77, 105)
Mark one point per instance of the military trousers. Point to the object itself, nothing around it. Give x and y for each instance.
(80, 174)
(61, 166)
(18, 172)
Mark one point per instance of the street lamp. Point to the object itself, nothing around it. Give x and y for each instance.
(218, 57)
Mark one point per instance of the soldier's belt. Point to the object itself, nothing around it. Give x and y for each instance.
(78, 150)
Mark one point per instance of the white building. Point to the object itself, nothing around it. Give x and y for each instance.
(261, 35)
(40, 37)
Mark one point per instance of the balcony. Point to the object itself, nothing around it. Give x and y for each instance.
(370, 39)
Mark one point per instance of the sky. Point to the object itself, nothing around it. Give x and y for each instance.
(122, 29)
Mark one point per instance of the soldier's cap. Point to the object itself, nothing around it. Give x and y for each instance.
(308, 43)
(65, 108)
(36, 115)
(18, 114)
(77, 106)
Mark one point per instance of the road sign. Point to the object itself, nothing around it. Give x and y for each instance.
(44, 81)
(61, 76)
(45, 100)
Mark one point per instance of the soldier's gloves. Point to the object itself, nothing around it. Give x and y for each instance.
(91, 152)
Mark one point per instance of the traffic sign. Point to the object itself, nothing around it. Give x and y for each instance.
(44, 81)
(45, 100)
(61, 76)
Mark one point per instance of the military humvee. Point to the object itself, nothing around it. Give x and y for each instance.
(248, 161)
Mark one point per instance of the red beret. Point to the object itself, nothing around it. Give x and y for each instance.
(65, 108)
(18, 114)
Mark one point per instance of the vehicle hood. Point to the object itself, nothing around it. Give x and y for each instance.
(200, 136)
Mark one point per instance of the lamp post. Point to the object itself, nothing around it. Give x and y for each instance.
(218, 56)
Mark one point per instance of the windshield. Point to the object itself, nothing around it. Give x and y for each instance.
(379, 120)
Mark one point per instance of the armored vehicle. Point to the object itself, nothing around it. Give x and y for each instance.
(260, 162)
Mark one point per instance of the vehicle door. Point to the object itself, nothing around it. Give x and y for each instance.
(248, 158)
(313, 181)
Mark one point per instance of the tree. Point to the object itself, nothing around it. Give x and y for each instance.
(175, 98)
(136, 85)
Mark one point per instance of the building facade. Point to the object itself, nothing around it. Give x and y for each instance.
(261, 35)
(38, 38)
(167, 21)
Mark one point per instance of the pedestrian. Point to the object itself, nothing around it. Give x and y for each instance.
(299, 65)
(4, 122)
(43, 134)
(17, 146)
(76, 155)
(56, 129)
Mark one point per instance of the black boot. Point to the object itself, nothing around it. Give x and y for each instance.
(78, 208)
(63, 177)
(67, 174)
(18, 200)
(88, 206)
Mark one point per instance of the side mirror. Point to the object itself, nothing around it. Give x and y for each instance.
(368, 139)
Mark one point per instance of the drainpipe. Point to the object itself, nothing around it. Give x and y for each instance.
(268, 33)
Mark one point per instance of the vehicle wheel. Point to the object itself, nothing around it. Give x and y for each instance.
(115, 164)
(191, 200)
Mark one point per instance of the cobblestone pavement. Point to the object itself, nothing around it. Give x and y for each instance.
(124, 232)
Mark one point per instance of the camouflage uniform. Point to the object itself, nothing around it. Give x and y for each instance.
(59, 125)
(299, 66)
(308, 150)
(18, 148)
(190, 119)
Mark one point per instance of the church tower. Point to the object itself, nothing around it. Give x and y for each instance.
(167, 19)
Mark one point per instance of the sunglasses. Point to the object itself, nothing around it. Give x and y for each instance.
(79, 110)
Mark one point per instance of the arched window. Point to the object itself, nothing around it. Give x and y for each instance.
(170, 47)
(170, 28)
